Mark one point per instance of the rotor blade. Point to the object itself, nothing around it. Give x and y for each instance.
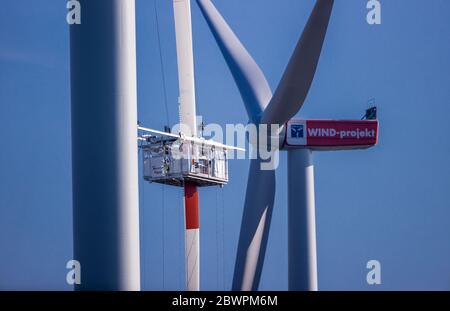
(185, 60)
(207, 142)
(254, 227)
(299, 74)
(145, 129)
(252, 84)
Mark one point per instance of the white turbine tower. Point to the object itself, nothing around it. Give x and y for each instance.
(104, 147)
(300, 137)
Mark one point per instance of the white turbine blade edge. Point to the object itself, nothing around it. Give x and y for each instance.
(255, 226)
(185, 60)
(252, 84)
(149, 130)
(299, 74)
(202, 141)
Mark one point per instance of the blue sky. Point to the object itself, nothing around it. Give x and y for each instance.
(389, 203)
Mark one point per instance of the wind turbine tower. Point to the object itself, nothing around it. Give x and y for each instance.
(104, 146)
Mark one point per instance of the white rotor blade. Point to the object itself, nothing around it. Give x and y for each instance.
(299, 74)
(206, 142)
(254, 227)
(252, 84)
(185, 59)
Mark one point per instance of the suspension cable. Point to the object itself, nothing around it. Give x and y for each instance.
(217, 239)
(141, 223)
(162, 65)
(223, 239)
(181, 267)
(163, 236)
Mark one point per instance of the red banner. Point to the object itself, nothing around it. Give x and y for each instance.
(332, 134)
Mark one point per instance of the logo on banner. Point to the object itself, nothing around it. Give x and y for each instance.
(297, 130)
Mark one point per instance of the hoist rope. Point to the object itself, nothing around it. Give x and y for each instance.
(162, 65)
(223, 240)
(168, 124)
(180, 235)
(217, 239)
(163, 236)
(141, 222)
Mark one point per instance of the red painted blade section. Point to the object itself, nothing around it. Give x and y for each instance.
(191, 205)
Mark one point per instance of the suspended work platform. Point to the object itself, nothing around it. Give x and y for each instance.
(174, 159)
